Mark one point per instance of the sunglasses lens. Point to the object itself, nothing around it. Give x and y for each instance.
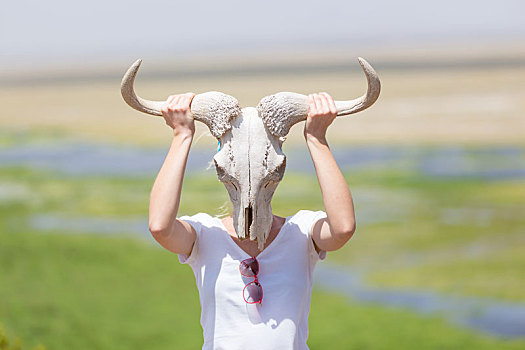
(252, 292)
(249, 267)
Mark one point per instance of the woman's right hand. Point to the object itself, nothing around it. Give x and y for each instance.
(177, 114)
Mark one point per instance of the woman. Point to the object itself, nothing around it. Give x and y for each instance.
(252, 299)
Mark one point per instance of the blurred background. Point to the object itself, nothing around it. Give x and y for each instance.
(436, 166)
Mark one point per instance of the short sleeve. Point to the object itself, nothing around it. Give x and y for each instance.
(196, 221)
(313, 217)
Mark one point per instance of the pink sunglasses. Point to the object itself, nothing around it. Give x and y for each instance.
(252, 292)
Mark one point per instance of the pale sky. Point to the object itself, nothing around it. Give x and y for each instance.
(36, 32)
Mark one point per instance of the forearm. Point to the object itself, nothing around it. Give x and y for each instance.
(165, 194)
(336, 194)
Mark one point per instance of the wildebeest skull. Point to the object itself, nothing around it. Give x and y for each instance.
(250, 162)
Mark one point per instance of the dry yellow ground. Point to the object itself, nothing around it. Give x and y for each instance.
(473, 106)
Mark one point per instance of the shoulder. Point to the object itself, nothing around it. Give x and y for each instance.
(305, 219)
(307, 215)
(200, 221)
(201, 217)
(204, 225)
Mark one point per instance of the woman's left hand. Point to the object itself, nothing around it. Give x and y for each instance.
(322, 112)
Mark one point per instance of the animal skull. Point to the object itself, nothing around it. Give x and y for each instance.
(250, 162)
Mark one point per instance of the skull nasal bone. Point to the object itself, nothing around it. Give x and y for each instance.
(248, 218)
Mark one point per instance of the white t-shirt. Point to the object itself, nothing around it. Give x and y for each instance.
(285, 273)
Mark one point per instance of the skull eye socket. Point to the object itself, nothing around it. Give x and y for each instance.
(223, 176)
(270, 183)
(228, 179)
(276, 175)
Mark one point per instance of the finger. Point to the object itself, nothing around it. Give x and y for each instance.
(324, 103)
(190, 95)
(171, 98)
(331, 103)
(189, 98)
(183, 101)
(318, 103)
(176, 101)
(186, 102)
(311, 104)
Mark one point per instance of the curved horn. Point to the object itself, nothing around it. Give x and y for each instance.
(128, 93)
(284, 109)
(213, 108)
(368, 99)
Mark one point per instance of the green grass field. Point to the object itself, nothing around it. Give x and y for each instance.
(82, 291)
(87, 292)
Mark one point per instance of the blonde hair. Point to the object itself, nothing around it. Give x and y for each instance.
(224, 210)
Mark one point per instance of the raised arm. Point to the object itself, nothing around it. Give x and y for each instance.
(334, 231)
(173, 234)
